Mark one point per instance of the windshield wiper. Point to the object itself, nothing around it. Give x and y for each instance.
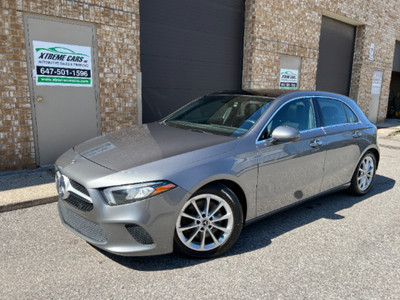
(185, 125)
(197, 130)
(201, 131)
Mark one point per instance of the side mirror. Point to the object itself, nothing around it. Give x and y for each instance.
(285, 134)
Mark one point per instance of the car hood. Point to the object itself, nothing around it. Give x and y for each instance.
(143, 144)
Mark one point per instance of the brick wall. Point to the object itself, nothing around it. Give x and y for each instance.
(117, 24)
(273, 28)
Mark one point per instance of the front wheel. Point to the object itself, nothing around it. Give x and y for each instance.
(209, 223)
(364, 175)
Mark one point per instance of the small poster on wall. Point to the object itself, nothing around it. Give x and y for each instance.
(289, 79)
(377, 82)
(62, 64)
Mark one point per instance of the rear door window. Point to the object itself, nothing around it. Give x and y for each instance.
(351, 116)
(334, 112)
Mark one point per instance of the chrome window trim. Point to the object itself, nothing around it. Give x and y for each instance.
(258, 141)
(338, 125)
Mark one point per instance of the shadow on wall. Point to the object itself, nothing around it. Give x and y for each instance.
(260, 234)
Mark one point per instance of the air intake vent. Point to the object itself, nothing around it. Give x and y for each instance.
(81, 225)
(139, 234)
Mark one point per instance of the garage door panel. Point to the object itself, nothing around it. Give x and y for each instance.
(188, 48)
(335, 60)
(209, 16)
(167, 100)
(396, 59)
(205, 47)
(184, 74)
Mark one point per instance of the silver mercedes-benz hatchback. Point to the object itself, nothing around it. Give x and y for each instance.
(191, 181)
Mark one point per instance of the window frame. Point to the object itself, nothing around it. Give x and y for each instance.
(317, 114)
(259, 139)
(344, 105)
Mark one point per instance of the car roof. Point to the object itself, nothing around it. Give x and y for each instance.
(285, 94)
(244, 93)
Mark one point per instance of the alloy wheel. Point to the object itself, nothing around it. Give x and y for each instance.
(366, 173)
(205, 222)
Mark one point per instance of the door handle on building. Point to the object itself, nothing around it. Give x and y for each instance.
(39, 99)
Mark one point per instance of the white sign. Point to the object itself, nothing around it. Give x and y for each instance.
(377, 83)
(62, 64)
(371, 51)
(289, 79)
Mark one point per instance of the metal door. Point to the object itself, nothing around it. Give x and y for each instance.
(376, 88)
(188, 49)
(335, 62)
(61, 58)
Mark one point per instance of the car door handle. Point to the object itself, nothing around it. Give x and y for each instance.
(357, 134)
(315, 143)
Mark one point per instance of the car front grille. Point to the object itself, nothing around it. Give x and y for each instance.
(79, 196)
(77, 186)
(79, 202)
(83, 226)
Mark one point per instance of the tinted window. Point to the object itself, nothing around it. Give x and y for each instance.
(332, 112)
(298, 114)
(335, 112)
(351, 116)
(230, 115)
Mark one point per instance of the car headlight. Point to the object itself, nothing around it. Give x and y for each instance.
(135, 192)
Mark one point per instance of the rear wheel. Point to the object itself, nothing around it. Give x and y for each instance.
(364, 175)
(209, 223)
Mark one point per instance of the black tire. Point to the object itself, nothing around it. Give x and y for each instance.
(364, 175)
(200, 235)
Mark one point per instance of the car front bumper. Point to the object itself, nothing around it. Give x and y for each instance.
(142, 228)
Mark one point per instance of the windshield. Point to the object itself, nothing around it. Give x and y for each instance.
(229, 115)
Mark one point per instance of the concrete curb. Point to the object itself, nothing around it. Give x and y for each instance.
(27, 188)
(26, 204)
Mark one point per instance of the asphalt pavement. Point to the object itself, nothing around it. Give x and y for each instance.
(334, 247)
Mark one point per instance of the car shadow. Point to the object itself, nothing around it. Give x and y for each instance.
(260, 234)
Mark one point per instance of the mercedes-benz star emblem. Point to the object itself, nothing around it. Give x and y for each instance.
(63, 183)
